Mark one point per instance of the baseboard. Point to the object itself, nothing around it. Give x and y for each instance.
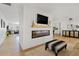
(31, 48)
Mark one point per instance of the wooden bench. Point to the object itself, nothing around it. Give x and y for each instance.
(55, 45)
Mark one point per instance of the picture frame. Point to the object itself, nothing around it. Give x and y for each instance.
(2, 24)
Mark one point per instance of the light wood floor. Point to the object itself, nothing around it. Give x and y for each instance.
(70, 51)
(10, 47)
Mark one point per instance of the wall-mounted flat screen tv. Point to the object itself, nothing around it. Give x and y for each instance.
(41, 19)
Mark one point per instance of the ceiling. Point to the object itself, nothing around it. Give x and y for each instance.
(52, 6)
(12, 12)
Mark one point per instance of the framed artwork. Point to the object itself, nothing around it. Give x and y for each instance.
(2, 24)
(77, 26)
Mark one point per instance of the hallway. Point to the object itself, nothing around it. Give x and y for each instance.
(10, 46)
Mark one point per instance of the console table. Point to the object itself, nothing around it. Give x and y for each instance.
(70, 33)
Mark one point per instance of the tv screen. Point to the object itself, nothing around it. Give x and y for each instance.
(41, 19)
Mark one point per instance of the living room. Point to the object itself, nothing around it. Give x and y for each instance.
(40, 23)
(47, 29)
(60, 16)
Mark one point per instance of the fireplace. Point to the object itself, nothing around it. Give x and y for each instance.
(40, 33)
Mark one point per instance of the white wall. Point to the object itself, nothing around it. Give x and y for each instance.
(62, 13)
(30, 14)
(2, 30)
